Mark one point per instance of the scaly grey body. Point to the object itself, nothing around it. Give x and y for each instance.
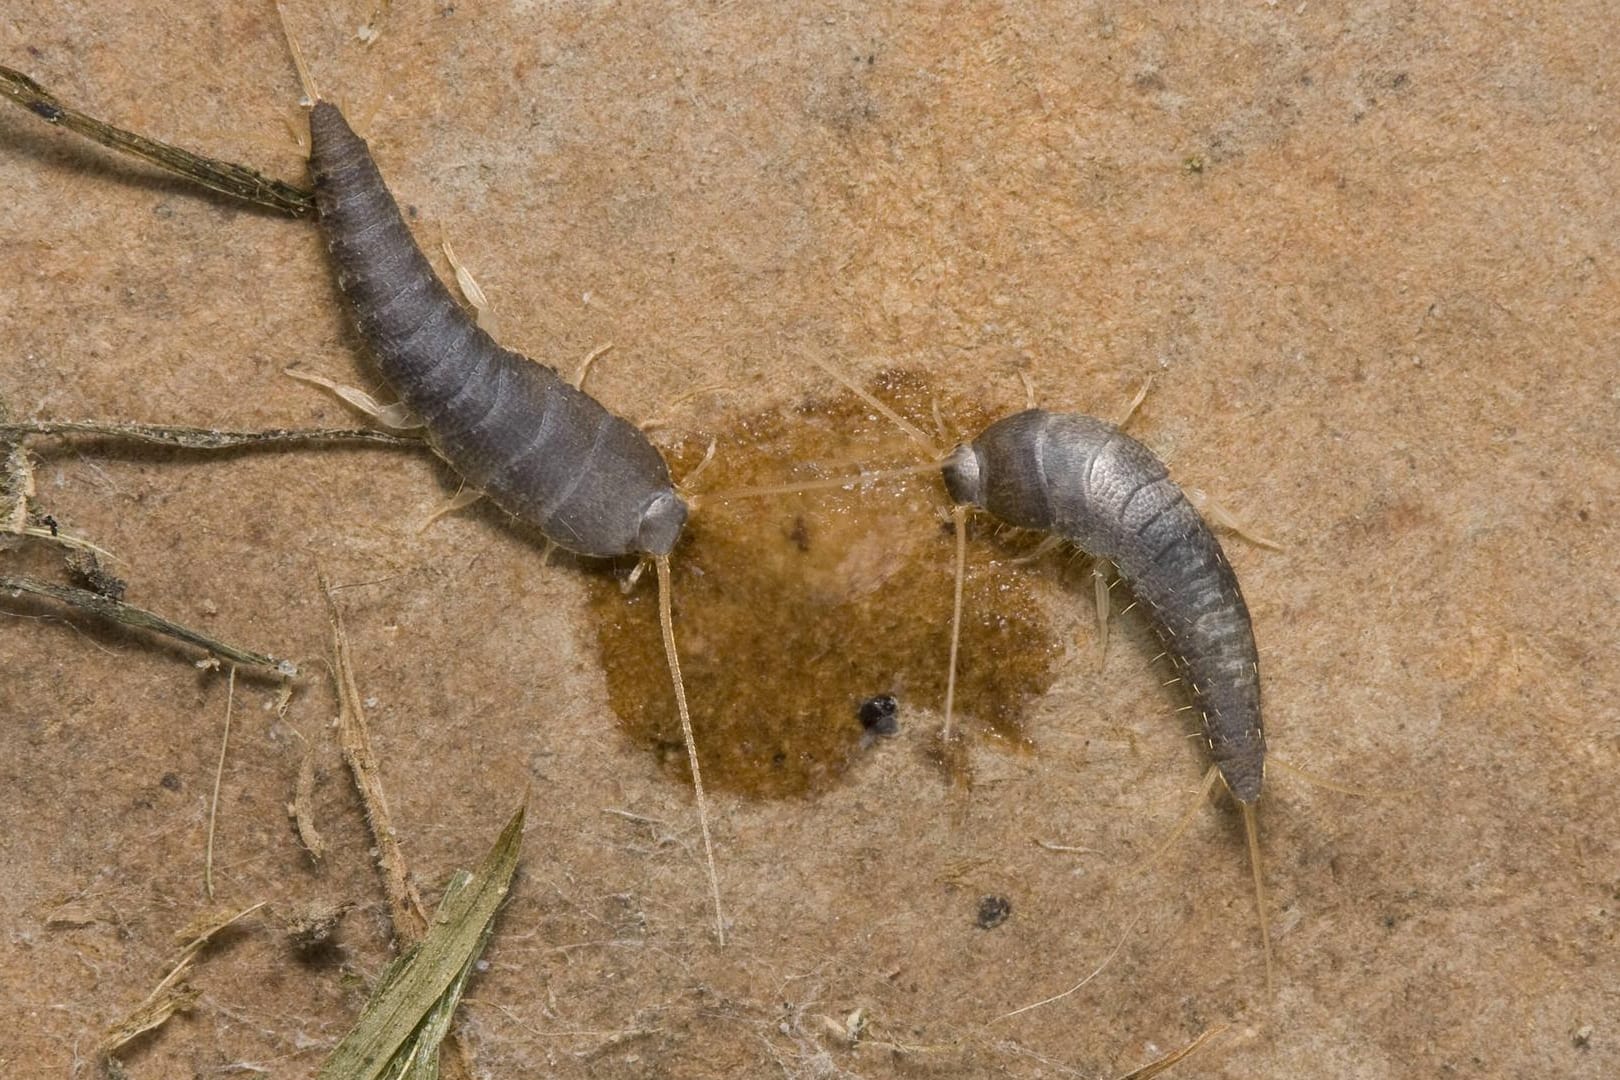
(547, 453)
(1086, 481)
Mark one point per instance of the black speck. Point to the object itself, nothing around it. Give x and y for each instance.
(778, 760)
(1582, 514)
(993, 911)
(170, 781)
(50, 523)
(800, 534)
(880, 715)
(411, 211)
(45, 110)
(1389, 922)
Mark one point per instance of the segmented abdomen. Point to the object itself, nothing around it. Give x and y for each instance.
(541, 449)
(1085, 480)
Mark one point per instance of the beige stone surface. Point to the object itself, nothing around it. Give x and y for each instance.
(1368, 252)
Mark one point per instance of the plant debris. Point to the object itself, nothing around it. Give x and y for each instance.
(130, 615)
(200, 438)
(400, 1028)
(225, 177)
(171, 995)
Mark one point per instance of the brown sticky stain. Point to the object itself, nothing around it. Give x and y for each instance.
(790, 610)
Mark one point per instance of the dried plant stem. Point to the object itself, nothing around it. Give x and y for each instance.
(197, 438)
(219, 775)
(404, 903)
(225, 177)
(130, 615)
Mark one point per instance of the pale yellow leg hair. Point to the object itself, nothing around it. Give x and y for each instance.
(1099, 581)
(685, 483)
(628, 585)
(474, 293)
(1253, 833)
(584, 368)
(1029, 388)
(1136, 403)
(827, 484)
(1334, 785)
(667, 415)
(667, 623)
(459, 501)
(1255, 867)
(882, 409)
(1049, 543)
(1163, 1064)
(395, 416)
(1118, 945)
(959, 520)
(1226, 519)
(1186, 819)
(305, 79)
(299, 132)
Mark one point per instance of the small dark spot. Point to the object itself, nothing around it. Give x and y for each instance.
(35, 52)
(1389, 922)
(871, 58)
(45, 110)
(50, 523)
(170, 781)
(880, 715)
(778, 759)
(993, 911)
(1399, 80)
(411, 211)
(1582, 514)
(800, 533)
(1148, 82)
